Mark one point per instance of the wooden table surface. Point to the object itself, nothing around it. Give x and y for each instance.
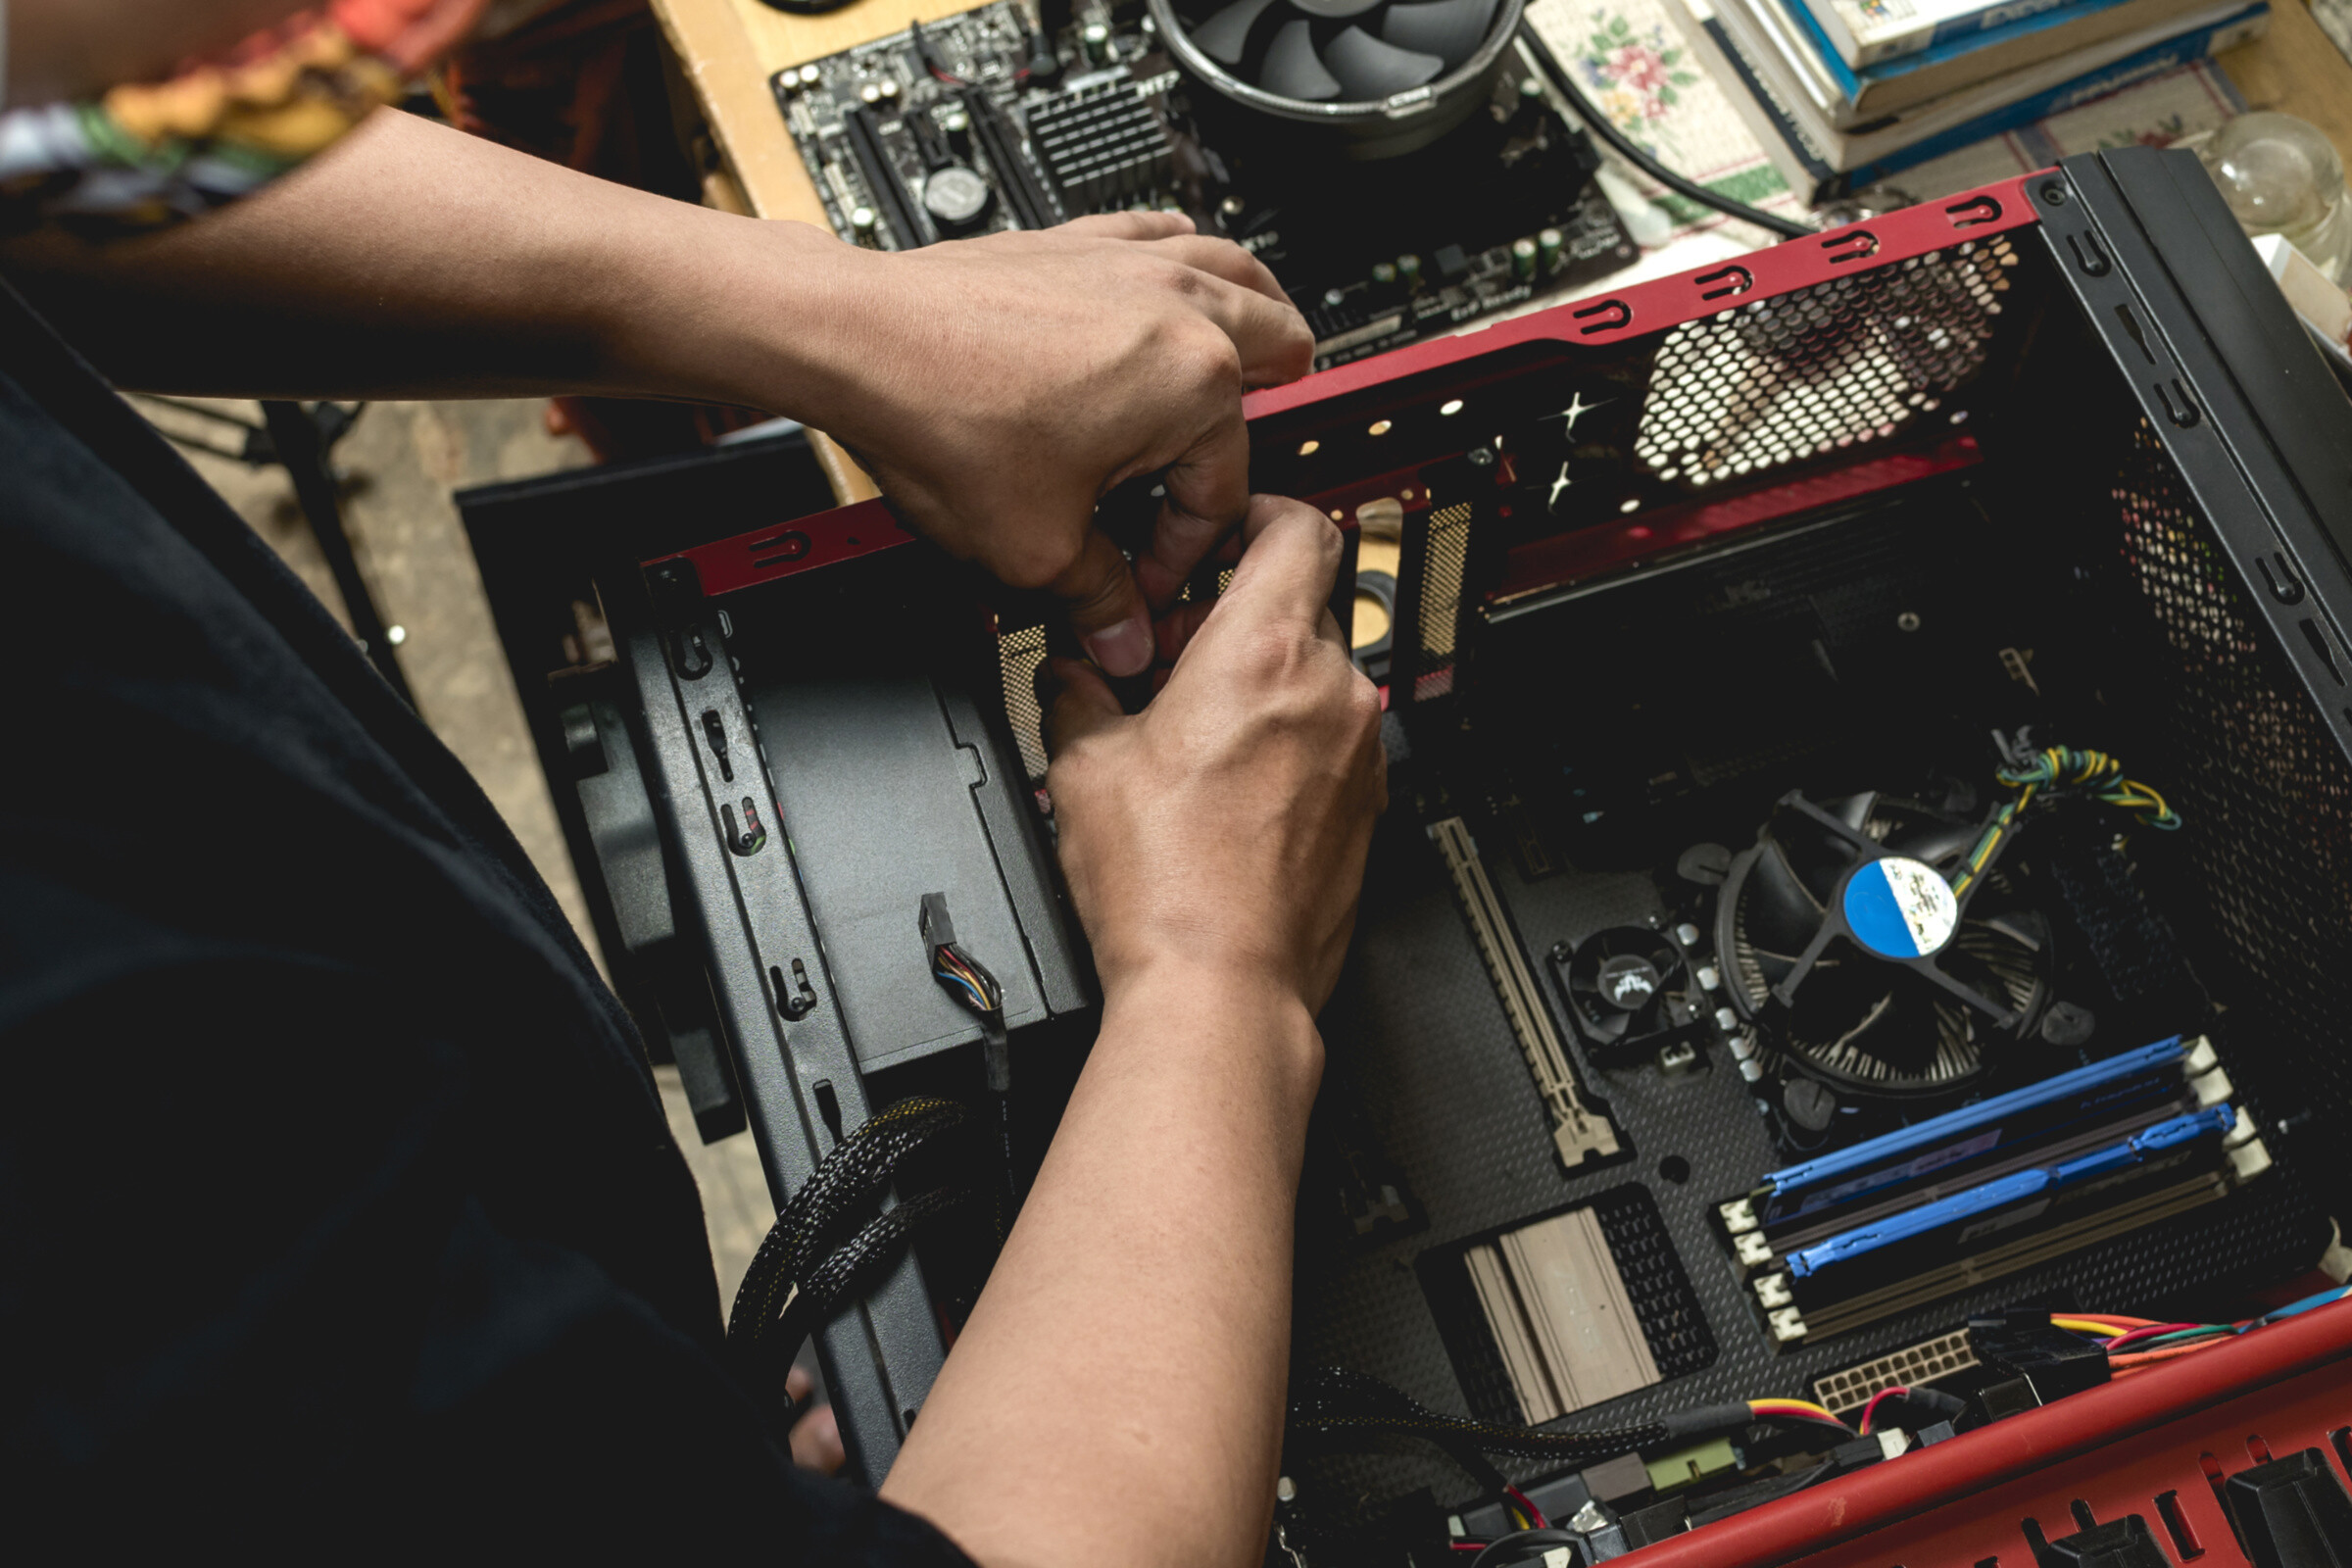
(729, 48)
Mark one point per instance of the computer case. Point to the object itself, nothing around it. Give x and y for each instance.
(2051, 459)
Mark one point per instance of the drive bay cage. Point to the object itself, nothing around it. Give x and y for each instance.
(1870, 847)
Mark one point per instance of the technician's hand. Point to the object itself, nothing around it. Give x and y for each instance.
(1223, 830)
(1005, 382)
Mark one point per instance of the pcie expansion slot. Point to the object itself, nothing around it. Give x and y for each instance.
(1577, 1132)
(1033, 207)
(882, 180)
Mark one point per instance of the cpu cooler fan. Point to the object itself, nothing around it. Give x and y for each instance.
(1844, 942)
(1389, 74)
(1629, 987)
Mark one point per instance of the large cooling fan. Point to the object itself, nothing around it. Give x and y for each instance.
(1392, 74)
(1846, 945)
(1629, 985)
(1319, 50)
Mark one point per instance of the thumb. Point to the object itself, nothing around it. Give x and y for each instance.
(1106, 608)
(1084, 706)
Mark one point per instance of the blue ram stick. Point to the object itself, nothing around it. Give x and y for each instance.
(2137, 1082)
(1900, 1245)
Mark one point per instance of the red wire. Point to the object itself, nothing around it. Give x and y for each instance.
(2167, 1353)
(1471, 1546)
(2151, 1331)
(1872, 1408)
(1534, 1513)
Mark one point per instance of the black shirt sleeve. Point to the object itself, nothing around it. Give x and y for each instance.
(339, 1210)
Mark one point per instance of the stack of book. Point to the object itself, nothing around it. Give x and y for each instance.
(1845, 94)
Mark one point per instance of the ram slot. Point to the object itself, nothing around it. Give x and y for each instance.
(1577, 1132)
(882, 180)
(1033, 207)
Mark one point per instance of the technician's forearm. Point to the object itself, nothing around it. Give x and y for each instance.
(1116, 1397)
(412, 260)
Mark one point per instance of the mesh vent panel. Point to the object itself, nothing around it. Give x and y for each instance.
(1018, 654)
(1442, 572)
(1807, 373)
(2264, 795)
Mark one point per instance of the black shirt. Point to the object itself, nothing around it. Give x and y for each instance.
(334, 1192)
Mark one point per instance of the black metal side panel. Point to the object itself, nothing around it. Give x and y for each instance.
(2258, 429)
(880, 1357)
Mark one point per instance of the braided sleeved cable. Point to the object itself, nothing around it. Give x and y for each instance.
(1342, 1408)
(827, 1206)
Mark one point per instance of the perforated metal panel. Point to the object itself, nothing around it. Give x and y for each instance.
(1019, 653)
(1809, 373)
(1443, 571)
(2264, 792)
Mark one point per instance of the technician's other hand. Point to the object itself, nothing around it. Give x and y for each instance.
(815, 1437)
(1223, 830)
(1008, 381)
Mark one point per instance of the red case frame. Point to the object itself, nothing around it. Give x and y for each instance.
(2159, 1443)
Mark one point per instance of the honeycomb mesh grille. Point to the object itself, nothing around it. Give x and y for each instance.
(1443, 566)
(2264, 794)
(1808, 373)
(1018, 655)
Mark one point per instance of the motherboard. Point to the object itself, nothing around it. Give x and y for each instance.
(981, 122)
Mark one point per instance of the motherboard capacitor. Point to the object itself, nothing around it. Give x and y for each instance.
(1408, 269)
(1547, 251)
(1523, 260)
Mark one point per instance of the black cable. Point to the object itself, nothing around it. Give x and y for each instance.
(817, 1254)
(1504, 1550)
(1606, 129)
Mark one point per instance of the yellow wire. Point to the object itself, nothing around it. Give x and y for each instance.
(1806, 1405)
(2084, 1325)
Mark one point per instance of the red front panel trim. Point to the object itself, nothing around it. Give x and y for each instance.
(848, 533)
(2116, 1447)
(1666, 302)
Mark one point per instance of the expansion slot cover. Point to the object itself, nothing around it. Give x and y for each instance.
(1579, 1132)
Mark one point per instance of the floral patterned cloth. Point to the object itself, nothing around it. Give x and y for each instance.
(1638, 71)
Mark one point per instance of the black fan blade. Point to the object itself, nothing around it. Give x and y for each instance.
(1834, 1004)
(1932, 837)
(1334, 10)
(1225, 36)
(1778, 913)
(1370, 68)
(1451, 29)
(1908, 1035)
(1292, 70)
(1817, 853)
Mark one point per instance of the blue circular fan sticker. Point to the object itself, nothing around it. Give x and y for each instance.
(1899, 908)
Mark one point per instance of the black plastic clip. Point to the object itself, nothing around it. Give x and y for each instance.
(714, 731)
(747, 838)
(796, 1001)
(677, 594)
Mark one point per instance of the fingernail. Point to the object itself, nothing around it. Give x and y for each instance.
(1122, 649)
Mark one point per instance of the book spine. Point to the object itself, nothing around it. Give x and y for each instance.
(2154, 61)
(1991, 19)
(1805, 24)
(1870, 43)
(1787, 145)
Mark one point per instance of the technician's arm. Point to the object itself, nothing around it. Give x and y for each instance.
(1116, 1397)
(995, 387)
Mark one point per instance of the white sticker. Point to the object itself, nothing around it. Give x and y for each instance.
(1899, 908)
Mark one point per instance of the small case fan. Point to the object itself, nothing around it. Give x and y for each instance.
(1629, 987)
(1844, 942)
